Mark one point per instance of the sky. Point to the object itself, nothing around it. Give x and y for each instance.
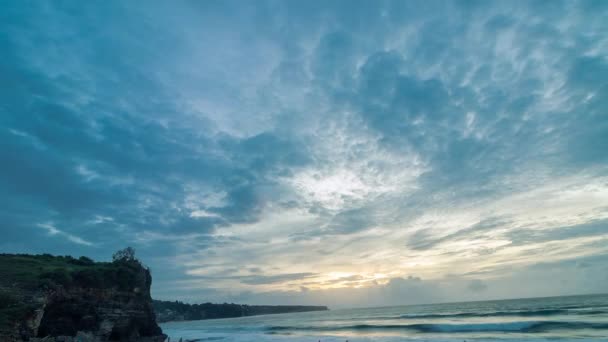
(341, 153)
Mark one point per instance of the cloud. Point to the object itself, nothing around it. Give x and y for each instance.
(52, 231)
(592, 228)
(410, 290)
(424, 239)
(256, 150)
(477, 285)
(270, 279)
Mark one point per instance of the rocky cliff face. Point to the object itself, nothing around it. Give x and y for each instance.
(86, 303)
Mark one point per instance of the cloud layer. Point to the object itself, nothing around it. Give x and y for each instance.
(353, 154)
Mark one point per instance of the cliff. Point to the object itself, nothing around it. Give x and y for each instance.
(62, 299)
(178, 311)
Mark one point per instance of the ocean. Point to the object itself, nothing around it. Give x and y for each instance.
(532, 319)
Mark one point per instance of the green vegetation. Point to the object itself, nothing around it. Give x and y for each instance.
(178, 311)
(25, 277)
(10, 307)
(35, 272)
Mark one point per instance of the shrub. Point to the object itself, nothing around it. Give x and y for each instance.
(57, 277)
(85, 260)
(7, 299)
(82, 261)
(89, 278)
(124, 255)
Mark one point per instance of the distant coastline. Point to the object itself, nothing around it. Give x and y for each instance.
(172, 311)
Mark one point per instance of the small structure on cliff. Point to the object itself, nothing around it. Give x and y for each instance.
(61, 298)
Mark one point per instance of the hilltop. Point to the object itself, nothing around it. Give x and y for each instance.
(61, 297)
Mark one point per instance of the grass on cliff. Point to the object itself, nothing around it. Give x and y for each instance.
(12, 308)
(34, 272)
(29, 271)
(23, 276)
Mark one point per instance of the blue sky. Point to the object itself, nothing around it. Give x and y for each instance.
(332, 152)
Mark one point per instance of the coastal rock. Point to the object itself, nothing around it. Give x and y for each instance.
(96, 303)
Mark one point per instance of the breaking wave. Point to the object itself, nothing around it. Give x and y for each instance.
(542, 312)
(522, 326)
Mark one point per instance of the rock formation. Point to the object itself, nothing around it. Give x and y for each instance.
(61, 299)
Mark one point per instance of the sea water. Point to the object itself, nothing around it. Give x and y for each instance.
(536, 319)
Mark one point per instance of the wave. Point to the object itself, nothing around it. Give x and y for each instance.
(523, 326)
(542, 312)
(574, 310)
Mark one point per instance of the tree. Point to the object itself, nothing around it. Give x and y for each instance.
(126, 254)
(85, 261)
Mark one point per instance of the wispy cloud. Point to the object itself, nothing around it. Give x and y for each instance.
(52, 231)
(438, 140)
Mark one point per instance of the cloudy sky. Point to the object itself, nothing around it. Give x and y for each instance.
(332, 152)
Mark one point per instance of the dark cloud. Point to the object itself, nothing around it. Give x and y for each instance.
(158, 126)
